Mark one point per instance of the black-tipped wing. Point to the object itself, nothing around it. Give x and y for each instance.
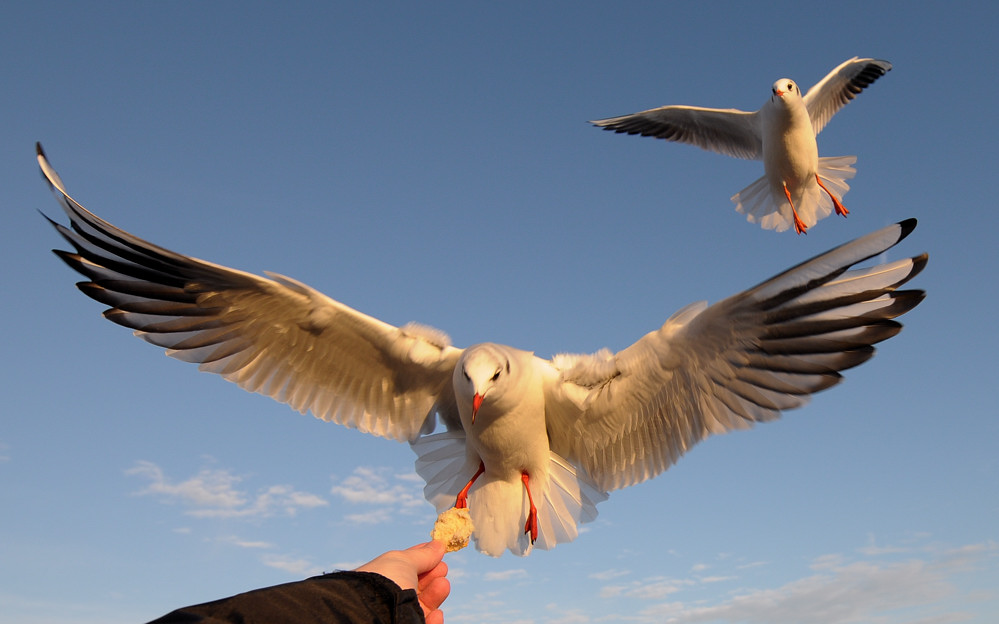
(726, 131)
(727, 366)
(840, 86)
(274, 336)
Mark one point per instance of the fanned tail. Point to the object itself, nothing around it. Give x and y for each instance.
(835, 171)
(499, 508)
(570, 500)
(769, 208)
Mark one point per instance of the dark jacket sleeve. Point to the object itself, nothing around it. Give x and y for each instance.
(340, 598)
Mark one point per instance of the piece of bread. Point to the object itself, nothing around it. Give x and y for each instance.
(454, 528)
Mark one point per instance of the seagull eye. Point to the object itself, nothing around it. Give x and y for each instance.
(465, 373)
(495, 376)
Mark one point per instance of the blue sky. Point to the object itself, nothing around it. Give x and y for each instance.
(432, 162)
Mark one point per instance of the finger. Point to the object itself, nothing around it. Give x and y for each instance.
(434, 617)
(435, 593)
(427, 577)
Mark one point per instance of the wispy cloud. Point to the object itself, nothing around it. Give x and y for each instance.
(241, 543)
(296, 566)
(653, 588)
(850, 593)
(505, 575)
(840, 589)
(215, 493)
(386, 494)
(607, 575)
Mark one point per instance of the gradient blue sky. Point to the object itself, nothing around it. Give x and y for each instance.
(432, 162)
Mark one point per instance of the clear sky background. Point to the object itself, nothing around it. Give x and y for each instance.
(432, 162)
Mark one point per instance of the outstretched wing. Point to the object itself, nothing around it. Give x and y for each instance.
(726, 131)
(723, 367)
(840, 86)
(274, 336)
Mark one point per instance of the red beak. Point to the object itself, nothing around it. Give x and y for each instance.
(476, 403)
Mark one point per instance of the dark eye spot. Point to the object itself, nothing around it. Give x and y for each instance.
(465, 373)
(495, 376)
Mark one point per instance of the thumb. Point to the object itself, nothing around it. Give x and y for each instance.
(425, 557)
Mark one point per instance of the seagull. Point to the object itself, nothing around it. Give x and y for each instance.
(797, 188)
(528, 445)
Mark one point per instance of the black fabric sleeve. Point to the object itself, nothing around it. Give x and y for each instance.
(338, 598)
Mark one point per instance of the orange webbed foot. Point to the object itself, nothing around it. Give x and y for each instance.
(799, 225)
(461, 502)
(840, 208)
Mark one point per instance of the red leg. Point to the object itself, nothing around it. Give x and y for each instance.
(531, 526)
(799, 225)
(462, 501)
(840, 208)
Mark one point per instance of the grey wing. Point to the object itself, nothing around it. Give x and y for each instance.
(276, 336)
(726, 131)
(727, 366)
(840, 86)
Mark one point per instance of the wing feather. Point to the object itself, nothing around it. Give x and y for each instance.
(740, 361)
(726, 131)
(271, 335)
(840, 86)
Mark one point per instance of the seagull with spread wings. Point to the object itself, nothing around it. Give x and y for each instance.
(797, 188)
(528, 445)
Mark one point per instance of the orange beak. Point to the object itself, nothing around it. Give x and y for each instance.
(476, 403)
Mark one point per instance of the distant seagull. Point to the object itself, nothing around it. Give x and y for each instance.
(530, 445)
(797, 187)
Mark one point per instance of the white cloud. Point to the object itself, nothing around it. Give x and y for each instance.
(241, 543)
(390, 494)
(296, 566)
(839, 591)
(505, 575)
(716, 579)
(851, 593)
(653, 588)
(214, 493)
(607, 575)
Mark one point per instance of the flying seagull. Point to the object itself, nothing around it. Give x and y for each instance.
(528, 445)
(797, 188)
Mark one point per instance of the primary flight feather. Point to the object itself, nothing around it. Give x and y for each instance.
(529, 445)
(798, 188)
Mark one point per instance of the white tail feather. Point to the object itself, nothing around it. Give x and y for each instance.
(499, 508)
(767, 206)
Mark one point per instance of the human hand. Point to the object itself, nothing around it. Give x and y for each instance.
(421, 568)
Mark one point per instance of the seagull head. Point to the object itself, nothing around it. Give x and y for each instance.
(482, 370)
(783, 87)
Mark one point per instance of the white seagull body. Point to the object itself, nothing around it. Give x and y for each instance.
(530, 445)
(797, 188)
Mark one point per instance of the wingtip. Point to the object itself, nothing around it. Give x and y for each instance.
(908, 225)
(919, 263)
(48, 172)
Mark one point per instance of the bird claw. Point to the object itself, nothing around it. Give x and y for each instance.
(799, 225)
(531, 526)
(840, 208)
